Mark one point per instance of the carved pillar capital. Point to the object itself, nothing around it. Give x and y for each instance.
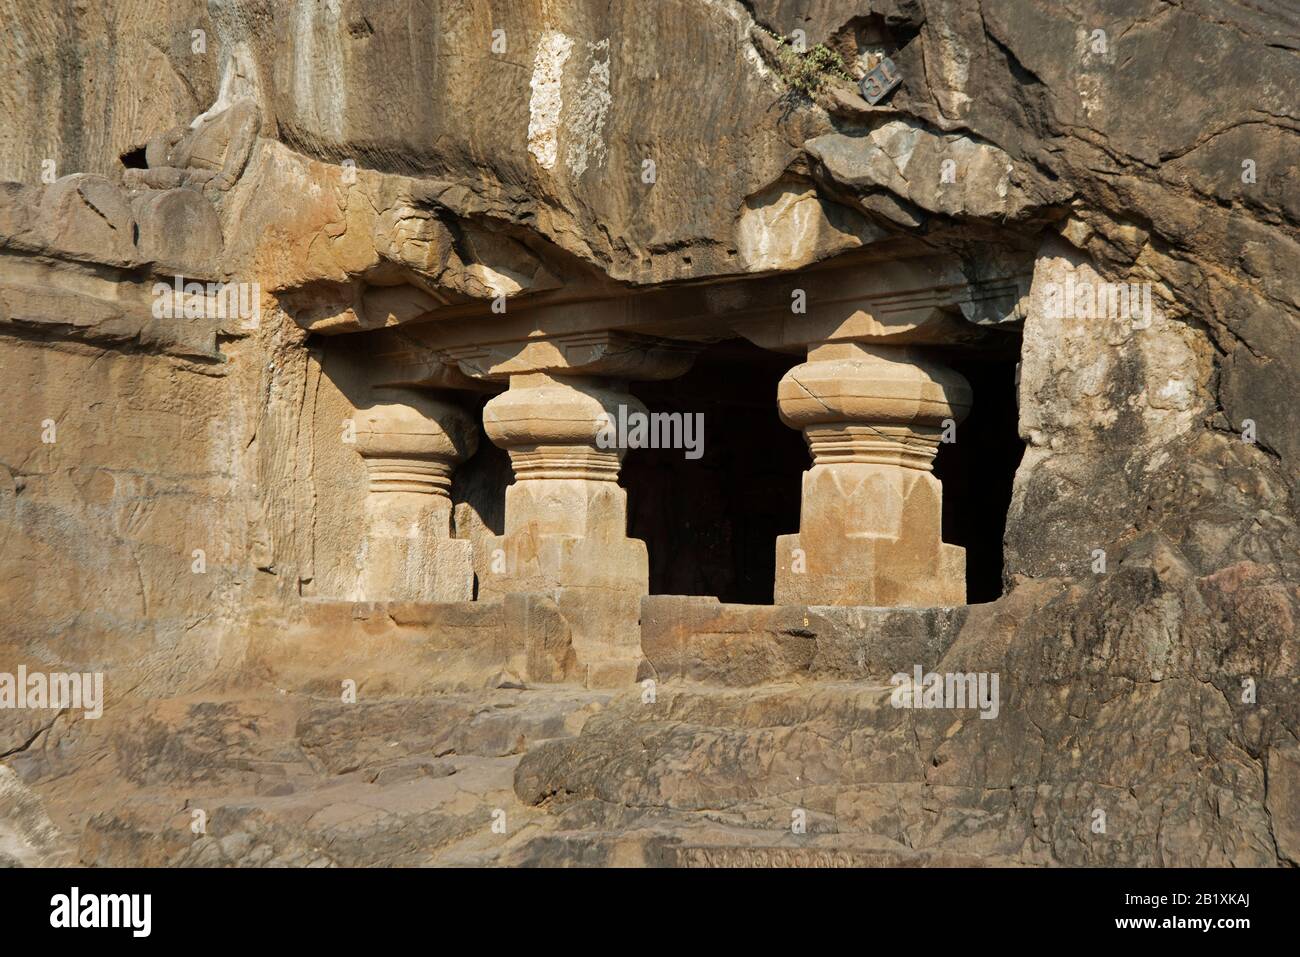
(551, 425)
(871, 404)
(411, 442)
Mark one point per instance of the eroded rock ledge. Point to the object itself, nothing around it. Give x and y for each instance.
(313, 337)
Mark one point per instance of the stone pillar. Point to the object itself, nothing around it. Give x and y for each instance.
(566, 516)
(410, 443)
(870, 515)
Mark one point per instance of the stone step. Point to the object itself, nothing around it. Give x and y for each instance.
(686, 844)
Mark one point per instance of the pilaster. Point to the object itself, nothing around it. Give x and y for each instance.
(410, 443)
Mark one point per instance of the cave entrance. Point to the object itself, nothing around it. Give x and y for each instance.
(977, 470)
(710, 524)
(134, 159)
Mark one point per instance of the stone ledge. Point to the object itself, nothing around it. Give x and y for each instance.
(412, 648)
(669, 844)
(702, 639)
(387, 648)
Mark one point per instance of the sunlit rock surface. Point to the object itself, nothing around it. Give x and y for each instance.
(322, 622)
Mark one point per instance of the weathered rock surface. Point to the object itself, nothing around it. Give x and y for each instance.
(177, 509)
(1121, 704)
(283, 780)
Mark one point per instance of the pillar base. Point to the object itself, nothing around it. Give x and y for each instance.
(597, 587)
(407, 554)
(869, 581)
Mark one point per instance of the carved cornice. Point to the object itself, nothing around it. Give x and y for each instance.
(615, 355)
(656, 334)
(918, 301)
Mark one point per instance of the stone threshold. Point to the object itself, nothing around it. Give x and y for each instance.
(407, 647)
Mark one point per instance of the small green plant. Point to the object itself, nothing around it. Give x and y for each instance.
(807, 70)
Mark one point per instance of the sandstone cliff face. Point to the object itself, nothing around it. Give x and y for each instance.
(414, 163)
(1141, 163)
